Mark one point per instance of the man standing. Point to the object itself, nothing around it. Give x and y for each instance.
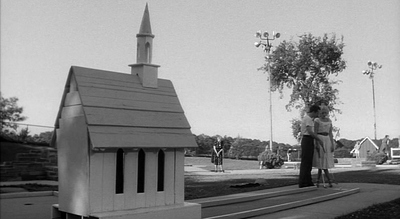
(384, 146)
(307, 146)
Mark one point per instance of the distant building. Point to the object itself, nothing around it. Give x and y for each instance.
(367, 146)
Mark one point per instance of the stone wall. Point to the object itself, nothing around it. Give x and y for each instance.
(35, 164)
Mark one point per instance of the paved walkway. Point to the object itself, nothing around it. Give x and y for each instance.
(38, 207)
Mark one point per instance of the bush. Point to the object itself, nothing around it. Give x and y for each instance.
(342, 153)
(379, 158)
(270, 160)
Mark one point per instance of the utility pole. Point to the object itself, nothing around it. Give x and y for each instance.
(266, 44)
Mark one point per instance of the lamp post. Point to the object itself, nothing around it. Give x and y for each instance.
(372, 66)
(265, 42)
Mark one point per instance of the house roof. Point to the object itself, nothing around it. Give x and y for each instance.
(121, 113)
(368, 139)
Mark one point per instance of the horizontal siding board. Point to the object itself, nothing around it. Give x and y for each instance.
(113, 76)
(128, 100)
(126, 81)
(129, 89)
(132, 130)
(131, 105)
(127, 95)
(134, 138)
(122, 113)
(135, 118)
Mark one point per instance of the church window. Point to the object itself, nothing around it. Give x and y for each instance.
(141, 171)
(119, 184)
(160, 171)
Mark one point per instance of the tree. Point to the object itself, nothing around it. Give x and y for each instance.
(306, 68)
(43, 137)
(10, 113)
(23, 135)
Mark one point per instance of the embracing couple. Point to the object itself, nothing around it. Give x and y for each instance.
(317, 145)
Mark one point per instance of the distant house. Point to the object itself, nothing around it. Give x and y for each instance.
(121, 140)
(367, 146)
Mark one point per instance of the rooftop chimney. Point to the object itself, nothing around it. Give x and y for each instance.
(147, 72)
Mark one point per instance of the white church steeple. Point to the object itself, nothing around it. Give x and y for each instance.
(147, 72)
(144, 39)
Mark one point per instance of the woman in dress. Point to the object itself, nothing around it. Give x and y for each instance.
(323, 153)
(218, 156)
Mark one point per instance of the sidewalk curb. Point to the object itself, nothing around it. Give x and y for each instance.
(285, 206)
(247, 196)
(28, 194)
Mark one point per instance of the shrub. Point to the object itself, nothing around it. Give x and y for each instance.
(342, 153)
(379, 158)
(270, 160)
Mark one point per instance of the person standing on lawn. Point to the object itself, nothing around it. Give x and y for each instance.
(218, 155)
(323, 153)
(307, 146)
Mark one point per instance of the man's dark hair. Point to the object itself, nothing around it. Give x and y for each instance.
(314, 108)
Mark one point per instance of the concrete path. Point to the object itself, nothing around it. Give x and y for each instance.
(39, 207)
(369, 194)
(316, 203)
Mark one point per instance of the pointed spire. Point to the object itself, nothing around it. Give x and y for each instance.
(145, 27)
(147, 72)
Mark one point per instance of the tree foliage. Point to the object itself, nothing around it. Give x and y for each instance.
(246, 148)
(205, 143)
(305, 67)
(10, 113)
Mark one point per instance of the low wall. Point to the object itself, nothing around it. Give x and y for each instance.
(35, 164)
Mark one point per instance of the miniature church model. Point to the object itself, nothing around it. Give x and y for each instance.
(121, 140)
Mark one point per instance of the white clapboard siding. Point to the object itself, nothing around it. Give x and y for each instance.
(119, 202)
(127, 137)
(179, 176)
(73, 166)
(130, 180)
(169, 186)
(135, 118)
(150, 187)
(108, 181)
(96, 181)
(113, 110)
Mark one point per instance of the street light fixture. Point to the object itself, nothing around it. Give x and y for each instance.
(372, 67)
(265, 42)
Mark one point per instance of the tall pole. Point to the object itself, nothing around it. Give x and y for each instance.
(373, 99)
(265, 43)
(270, 104)
(372, 67)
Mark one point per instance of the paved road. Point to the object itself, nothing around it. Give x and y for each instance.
(27, 208)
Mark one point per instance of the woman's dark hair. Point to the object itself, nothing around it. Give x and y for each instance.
(314, 108)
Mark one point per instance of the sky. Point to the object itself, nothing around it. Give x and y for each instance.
(206, 48)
